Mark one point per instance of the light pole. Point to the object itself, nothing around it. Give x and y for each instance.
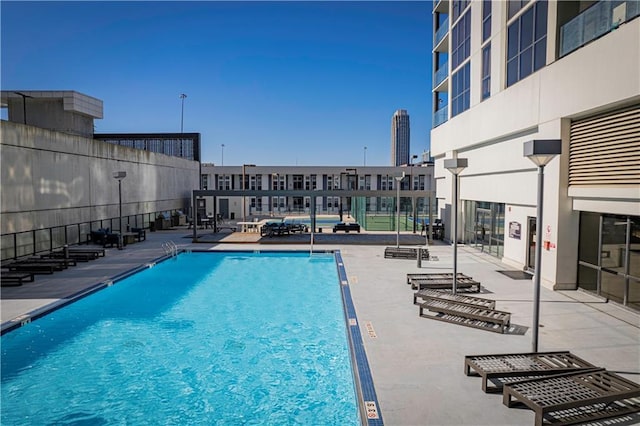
(222, 155)
(365, 156)
(540, 152)
(455, 166)
(398, 181)
(120, 176)
(182, 96)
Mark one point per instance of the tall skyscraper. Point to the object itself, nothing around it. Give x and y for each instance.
(400, 136)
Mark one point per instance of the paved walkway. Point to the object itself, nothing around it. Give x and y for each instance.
(416, 363)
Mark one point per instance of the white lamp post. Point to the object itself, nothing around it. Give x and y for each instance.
(222, 155)
(120, 176)
(455, 166)
(540, 152)
(365, 156)
(398, 181)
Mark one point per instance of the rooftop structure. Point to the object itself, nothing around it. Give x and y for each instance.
(64, 111)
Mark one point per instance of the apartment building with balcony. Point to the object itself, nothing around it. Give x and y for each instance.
(507, 72)
(378, 182)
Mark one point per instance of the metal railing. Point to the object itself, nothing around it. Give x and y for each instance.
(597, 20)
(442, 30)
(440, 116)
(170, 248)
(441, 74)
(26, 243)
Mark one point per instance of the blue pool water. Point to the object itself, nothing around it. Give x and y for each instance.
(206, 338)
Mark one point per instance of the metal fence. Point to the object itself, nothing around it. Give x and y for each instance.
(42, 240)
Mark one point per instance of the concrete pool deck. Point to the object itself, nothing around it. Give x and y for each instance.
(416, 364)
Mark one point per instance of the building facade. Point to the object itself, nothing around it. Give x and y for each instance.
(309, 178)
(507, 72)
(183, 145)
(400, 138)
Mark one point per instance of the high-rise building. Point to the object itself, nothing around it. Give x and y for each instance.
(510, 72)
(400, 138)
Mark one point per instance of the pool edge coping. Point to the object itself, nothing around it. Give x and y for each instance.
(38, 313)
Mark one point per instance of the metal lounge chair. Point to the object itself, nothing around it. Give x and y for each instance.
(504, 368)
(429, 294)
(410, 253)
(573, 398)
(64, 262)
(34, 268)
(469, 316)
(434, 276)
(466, 283)
(14, 279)
(81, 255)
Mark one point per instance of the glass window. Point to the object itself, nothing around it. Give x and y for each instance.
(612, 286)
(486, 20)
(634, 250)
(461, 40)
(486, 71)
(513, 40)
(526, 63)
(515, 6)
(634, 294)
(588, 243)
(587, 278)
(460, 90)
(526, 29)
(614, 239)
(458, 7)
(527, 42)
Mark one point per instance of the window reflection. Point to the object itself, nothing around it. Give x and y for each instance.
(612, 286)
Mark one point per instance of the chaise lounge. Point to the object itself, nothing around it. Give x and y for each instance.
(410, 253)
(575, 398)
(14, 279)
(499, 369)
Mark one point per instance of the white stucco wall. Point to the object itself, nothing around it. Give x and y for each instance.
(52, 179)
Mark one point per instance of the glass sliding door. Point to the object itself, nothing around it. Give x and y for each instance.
(484, 226)
(609, 257)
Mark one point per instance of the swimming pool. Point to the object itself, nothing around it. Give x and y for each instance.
(204, 338)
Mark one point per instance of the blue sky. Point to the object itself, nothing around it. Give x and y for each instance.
(278, 83)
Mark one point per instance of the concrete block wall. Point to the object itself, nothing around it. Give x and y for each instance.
(53, 179)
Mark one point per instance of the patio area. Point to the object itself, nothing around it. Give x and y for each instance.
(417, 364)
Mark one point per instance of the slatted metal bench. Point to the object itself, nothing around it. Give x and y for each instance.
(466, 283)
(409, 253)
(429, 294)
(34, 268)
(476, 317)
(572, 398)
(434, 276)
(499, 369)
(14, 279)
(64, 262)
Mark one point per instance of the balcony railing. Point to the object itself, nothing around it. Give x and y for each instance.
(441, 74)
(443, 29)
(440, 116)
(594, 22)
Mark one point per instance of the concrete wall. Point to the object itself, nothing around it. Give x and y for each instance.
(53, 179)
